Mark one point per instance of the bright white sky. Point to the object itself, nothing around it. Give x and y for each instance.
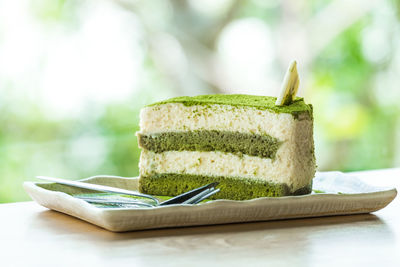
(101, 60)
(66, 69)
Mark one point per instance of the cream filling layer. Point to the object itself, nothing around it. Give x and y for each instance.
(178, 117)
(280, 170)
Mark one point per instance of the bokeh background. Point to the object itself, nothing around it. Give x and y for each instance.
(75, 73)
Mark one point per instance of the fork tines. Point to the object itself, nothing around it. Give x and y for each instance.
(194, 196)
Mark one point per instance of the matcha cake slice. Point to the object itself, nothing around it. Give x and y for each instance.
(251, 146)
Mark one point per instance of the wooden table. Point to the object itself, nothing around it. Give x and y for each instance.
(31, 235)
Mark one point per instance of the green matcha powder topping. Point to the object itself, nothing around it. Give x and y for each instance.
(259, 102)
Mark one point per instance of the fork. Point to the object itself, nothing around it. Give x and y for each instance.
(192, 197)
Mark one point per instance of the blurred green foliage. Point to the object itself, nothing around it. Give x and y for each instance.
(356, 127)
(361, 132)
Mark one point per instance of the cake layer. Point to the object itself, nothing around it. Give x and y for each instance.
(175, 117)
(236, 188)
(294, 172)
(263, 146)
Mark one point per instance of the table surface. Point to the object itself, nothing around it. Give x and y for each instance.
(31, 235)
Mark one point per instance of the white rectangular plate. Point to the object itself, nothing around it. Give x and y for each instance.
(344, 194)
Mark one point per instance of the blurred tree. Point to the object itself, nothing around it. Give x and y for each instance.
(112, 57)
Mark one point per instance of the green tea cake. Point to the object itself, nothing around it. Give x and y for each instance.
(251, 146)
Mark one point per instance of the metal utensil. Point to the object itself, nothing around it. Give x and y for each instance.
(97, 187)
(112, 202)
(192, 197)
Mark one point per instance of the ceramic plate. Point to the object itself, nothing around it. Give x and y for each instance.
(335, 193)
